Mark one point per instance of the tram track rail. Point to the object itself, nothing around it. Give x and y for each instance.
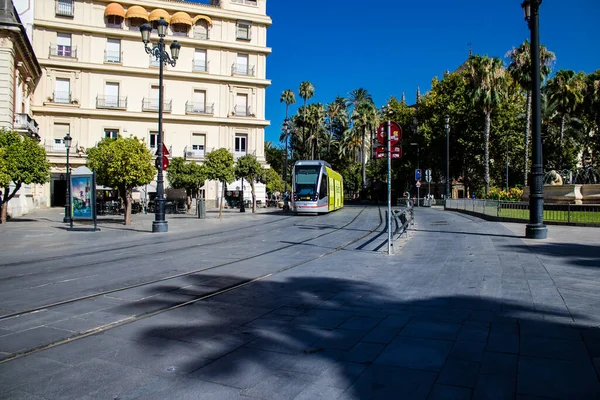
(194, 300)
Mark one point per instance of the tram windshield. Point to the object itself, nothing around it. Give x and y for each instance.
(306, 179)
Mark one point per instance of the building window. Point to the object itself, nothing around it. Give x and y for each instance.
(243, 30)
(111, 133)
(63, 46)
(180, 29)
(62, 91)
(241, 67)
(241, 105)
(60, 131)
(240, 145)
(64, 8)
(247, 2)
(111, 94)
(114, 21)
(201, 30)
(200, 64)
(153, 139)
(198, 146)
(112, 54)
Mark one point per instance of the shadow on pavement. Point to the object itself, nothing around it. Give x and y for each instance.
(583, 255)
(300, 336)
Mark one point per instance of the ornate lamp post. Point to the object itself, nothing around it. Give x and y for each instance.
(536, 228)
(158, 51)
(447, 126)
(67, 218)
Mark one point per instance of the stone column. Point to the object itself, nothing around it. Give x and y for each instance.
(7, 82)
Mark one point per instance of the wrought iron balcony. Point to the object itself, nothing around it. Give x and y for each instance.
(113, 56)
(111, 101)
(24, 122)
(64, 8)
(242, 111)
(242, 69)
(199, 108)
(58, 50)
(61, 97)
(152, 105)
(199, 66)
(53, 147)
(190, 152)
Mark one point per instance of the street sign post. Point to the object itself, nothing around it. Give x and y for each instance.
(417, 174)
(428, 179)
(396, 133)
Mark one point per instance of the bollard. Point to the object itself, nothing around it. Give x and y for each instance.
(201, 209)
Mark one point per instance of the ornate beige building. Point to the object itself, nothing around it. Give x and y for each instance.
(98, 81)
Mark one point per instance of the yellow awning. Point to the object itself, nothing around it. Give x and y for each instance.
(204, 17)
(137, 12)
(159, 12)
(114, 9)
(181, 18)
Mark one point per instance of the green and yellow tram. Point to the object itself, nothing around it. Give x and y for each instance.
(316, 188)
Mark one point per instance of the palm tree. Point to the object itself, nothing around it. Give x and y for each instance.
(486, 79)
(566, 91)
(306, 91)
(358, 96)
(336, 112)
(287, 97)
(364, 117)
(520, 70)
(315, 118)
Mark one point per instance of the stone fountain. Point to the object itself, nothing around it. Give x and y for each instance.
(581, 186)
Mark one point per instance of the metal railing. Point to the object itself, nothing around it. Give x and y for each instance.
(199, 66)
(152, 105)
(25, 122)
(402, 219)
(61, 97)
(60, 147)
(553, 212)
(242, 69)
(199, 108)
(242, 111)
(189, 152)
(58, 50)
(111, 101)
(64, 8)
(248, 2)
(201, 35)
(113, 56)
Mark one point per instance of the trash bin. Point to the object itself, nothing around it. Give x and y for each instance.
(201, 209)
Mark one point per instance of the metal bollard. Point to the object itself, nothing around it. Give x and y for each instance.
(201, 209)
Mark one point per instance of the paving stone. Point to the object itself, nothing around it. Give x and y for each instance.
(503, 343)
(342, 339)
(21, 371)
(494, 387)
(557, 378)
(553, 348)
(385, 382)
(396, 321)
(445, 392)
(363, 352)
(468, 351)
(32, 320)
(280, 385)
(316, 392)
(425, 354)
(381, 334)
(431, 330)
(341, 375)
(19, 395)
(360, 323)
(190, 389)
(474, 333)
(459, 373)
(549, 330)
(499, 364)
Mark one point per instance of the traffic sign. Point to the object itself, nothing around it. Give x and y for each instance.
(417, 174)
(165, 151)
(428, 175)
(165, 163)
(381, 152)
(418, 184)
(396, 133)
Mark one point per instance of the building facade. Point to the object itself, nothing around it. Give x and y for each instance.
(19, 75)
(97, 80)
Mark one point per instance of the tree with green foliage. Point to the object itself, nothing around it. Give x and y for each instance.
(486, 79)
(306, 91)
(315, 120)
(23, 161)
(275, 157)
(124, 164)
(189, 176)
(219, 167)
(365, 119)
(248, 167)
(520, 70)
(287, 97)
(272, 181)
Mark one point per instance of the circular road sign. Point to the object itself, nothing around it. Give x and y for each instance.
(165, 163)
(396, 133)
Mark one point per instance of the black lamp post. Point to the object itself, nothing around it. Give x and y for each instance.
(67, 218)
(242, 206)
(286, 127)
(418, 157)
(447, 126)
(536, 228)
(158, 51)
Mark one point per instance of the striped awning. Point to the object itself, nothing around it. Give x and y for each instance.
(204, 17)
(114, 9)
(137, 12)
(159, 12)
(181, 18)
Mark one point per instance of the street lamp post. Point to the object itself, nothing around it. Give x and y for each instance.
(507, 164)
(536, 228)
(67, 218)
(286, 127)
(418, 157)
(242, 207)
(447, 126)
(158, 51)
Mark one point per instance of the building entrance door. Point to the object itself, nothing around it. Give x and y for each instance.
(59, 193)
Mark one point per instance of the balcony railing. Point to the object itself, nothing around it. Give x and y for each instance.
(64, 8)
(242, 69)
(238, 154)
(200, 66)
(201, 35)
(60, 147)
(189, 152)
(59, 50)
(199, 108)
(248, 2)
(61, 97)
(152, 105)
(112, 56)
(26, 123)
(242, 111)
(111, 101)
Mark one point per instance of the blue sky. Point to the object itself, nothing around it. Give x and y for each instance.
(391, 46)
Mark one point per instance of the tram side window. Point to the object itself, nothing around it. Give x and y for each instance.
(323, 188)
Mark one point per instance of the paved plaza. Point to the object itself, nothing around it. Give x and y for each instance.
(276, 306)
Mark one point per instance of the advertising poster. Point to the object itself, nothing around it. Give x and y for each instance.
(81, 197)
